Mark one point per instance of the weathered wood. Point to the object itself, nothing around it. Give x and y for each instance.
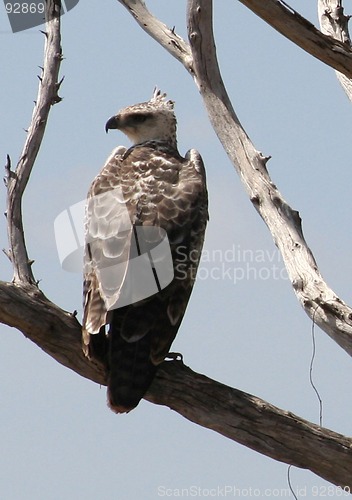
(319, 301)
(54, 330)
(16, 181)
(334, 23)
(284, 223)
(254, 423)
(303, 33)
(236, 415)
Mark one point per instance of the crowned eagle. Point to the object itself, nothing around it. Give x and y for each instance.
(146, 215)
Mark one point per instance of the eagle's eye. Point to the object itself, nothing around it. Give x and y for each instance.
(140, 118)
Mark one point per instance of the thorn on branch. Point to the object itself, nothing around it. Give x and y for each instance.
(265, 159)
(44, 33)
(8, 164)
(31, 262)
(56, 99)
(74, 313)
(58, 85)
(8, 254)
(8, 172)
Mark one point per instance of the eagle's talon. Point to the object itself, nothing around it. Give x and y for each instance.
(174, 356)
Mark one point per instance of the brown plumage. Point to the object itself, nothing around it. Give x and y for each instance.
(149, 185)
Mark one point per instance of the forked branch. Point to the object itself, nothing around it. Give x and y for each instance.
(284, 223)
(16, 181)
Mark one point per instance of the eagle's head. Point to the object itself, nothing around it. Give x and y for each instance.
(153, 120)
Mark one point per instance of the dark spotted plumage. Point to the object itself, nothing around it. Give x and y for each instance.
(160, 189)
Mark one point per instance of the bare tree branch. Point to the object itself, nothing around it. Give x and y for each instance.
(329, 312)
(334, 23)
(167, 37)
(296, 28)
(16, 181)
(55, 331)
(317, 299)
(253, 422)
(237, 415)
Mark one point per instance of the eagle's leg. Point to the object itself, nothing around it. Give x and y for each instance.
(98, 346)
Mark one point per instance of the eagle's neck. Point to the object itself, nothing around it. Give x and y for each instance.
(159, 145)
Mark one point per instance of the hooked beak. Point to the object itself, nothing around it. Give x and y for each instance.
(112, 123)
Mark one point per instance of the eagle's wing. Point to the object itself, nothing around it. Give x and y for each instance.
(108, 230)
(172, 195)
(150, 185)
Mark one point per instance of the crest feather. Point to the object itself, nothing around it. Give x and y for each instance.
(158, 98)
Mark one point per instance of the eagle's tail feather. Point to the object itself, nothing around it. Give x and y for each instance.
(130, 371)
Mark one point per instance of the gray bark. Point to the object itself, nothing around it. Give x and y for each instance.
(334, 23)
(319, 301)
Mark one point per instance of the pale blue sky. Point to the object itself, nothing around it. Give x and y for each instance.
(58, 438)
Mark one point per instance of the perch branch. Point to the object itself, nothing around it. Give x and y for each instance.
(237, 415)
(254, 423)
(56, 332)
(16, 180)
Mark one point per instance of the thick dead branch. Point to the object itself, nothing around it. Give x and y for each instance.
(16, 181)
(253, 422)
(55, 331)
(334, 23)
(296, 28)
(237, 415)
(318, 300)
(330, 313)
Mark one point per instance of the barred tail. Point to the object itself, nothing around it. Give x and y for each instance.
(130, 371)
